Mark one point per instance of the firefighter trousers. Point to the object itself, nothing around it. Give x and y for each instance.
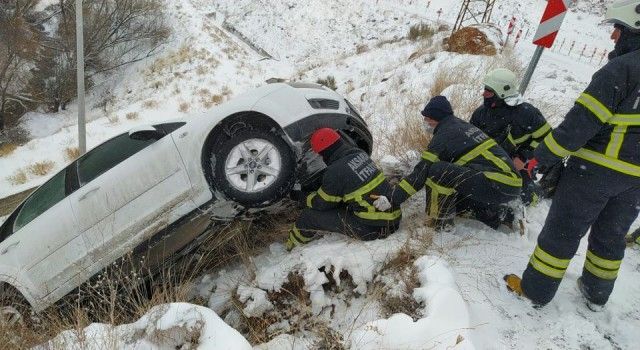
(452, 189)
(587, 196)
(313, 223)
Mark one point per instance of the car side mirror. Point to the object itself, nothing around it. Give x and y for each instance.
(145, 133)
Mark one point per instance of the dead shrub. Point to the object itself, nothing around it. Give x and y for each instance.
(329, 82)
(41, 168)
(112, 118)
(471, 40)
(19, 177)
(398, 285)
(360, 49)
(183, 107)
(202, 70)
(150, 104)
(420, 31)
(71, 153)
(132, 116)
(6, 149)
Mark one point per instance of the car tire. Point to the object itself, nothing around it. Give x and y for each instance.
(253, 167)
(13, 307)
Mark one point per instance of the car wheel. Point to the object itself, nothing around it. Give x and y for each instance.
(254, 168)
(13, 307)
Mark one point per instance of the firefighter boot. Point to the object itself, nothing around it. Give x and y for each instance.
(585, 293)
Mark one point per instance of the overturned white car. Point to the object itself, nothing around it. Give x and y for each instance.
(127, 194)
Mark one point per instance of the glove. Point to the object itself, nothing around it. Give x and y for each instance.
(531, 167)
(381, 203)
(550, 178)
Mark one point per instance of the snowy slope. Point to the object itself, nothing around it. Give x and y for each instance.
(462, 302)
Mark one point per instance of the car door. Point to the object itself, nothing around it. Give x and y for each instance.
(41, 239)
(129, 183)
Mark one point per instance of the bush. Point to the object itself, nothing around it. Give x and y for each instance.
(41, 168)
(329, 82)
(420, 31)
(6, 149)
(471, 40)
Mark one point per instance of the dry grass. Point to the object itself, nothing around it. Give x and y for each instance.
(329, 82)
(71, 153)
(360, 49)
(41, 168)
(113, 118)
(7, 148)
(150, 104)
(132, 116)
(184, 107)
(19, 177)
(420, 31)
(470, 40)
(397, 297)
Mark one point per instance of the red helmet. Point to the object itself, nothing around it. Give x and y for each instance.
(323, 139)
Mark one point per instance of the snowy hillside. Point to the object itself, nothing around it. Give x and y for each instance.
(450, 292)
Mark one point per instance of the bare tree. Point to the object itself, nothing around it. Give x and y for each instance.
(19, 40)
(117, 32)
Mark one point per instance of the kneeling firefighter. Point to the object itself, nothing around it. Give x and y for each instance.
(344, 201)
(463, 170)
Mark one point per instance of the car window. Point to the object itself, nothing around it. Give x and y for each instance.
(45, 197)
(108, 155)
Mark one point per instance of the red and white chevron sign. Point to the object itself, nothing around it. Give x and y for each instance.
(551, 22)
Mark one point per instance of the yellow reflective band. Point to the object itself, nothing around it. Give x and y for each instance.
(603, 263)
(638, 240)
(555, 147)
(496, 161)
(511, 140)
(542, 131)
(599, 272)
(298, 236)
(394, 215)
(406, 186)
(310, 199)
(595, 106)
(625, 119)
(615, 143)
(475, 152)
(328, 197)
(520, 140)
(546, 269)
(447, 191)
(560, 264)
(608, 162)
(534, 144)
(433, 204)
(510, 180)
(426, 155)
(366, 188)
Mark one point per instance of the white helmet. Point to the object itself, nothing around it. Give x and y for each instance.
(503, 82)
(624, 12)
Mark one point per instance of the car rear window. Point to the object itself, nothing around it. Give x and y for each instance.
(45, 197)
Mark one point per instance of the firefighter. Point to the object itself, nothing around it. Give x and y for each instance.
(343, 203)
(600, 185)
(517, 126)
(463, 170)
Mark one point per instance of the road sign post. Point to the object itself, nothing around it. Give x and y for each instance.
(545, 35)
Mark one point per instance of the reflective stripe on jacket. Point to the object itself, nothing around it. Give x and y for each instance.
(603, 127)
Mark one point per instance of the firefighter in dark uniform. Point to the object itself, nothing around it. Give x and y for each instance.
(344, 201)
(463, 170)
(517, 126)
(600, 186)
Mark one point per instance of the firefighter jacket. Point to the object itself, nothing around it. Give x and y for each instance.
(518, 129)
(353, 180)
(603, 127)
(458, 142)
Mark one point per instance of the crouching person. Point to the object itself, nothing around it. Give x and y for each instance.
(344, 202)
(463, 170)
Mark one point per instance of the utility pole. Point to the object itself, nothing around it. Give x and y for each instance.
(82, 128)
(478, 11)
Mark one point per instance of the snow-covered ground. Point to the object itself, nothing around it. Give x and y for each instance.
(460, 301)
